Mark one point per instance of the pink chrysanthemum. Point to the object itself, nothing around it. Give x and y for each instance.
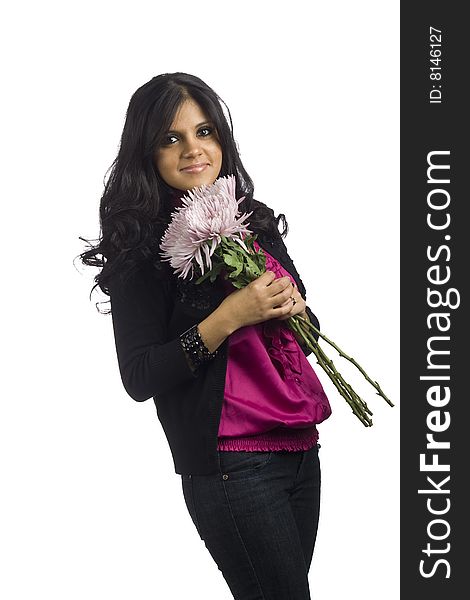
(208, 213)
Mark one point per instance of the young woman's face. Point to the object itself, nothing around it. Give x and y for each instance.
(190, 155)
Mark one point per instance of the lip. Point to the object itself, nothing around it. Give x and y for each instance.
(197, 168)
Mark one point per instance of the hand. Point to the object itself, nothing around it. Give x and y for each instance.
(264, 298)
(297, 308)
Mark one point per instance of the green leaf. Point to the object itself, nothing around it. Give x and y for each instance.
(237, 271)
(231, 259)
(237, 284)
(252, 266)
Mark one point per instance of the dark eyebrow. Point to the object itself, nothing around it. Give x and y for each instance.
(196, 127)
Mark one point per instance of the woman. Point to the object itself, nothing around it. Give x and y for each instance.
(234, 392)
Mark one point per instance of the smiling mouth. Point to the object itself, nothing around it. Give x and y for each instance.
(195, 168)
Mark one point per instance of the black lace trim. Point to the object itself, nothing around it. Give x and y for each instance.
(195, 347)
(198, 297)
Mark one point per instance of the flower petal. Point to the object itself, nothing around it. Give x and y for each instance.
(207, 213)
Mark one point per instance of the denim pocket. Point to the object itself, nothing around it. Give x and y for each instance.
(242, 464)
(188, 493)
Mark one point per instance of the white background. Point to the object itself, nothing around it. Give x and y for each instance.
(91, 506)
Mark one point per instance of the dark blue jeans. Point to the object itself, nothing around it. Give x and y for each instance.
(258, 519)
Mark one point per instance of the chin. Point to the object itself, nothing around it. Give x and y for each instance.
(198, 181)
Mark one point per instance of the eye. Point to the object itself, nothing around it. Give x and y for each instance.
(167, 140)
(209, 130)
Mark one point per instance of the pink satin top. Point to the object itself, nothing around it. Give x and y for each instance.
(273, 398)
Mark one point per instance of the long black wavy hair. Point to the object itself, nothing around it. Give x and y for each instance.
(136, 205)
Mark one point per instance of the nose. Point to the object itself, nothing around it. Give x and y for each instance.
(192, 147)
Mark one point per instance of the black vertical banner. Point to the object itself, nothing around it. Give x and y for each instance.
(435, 355)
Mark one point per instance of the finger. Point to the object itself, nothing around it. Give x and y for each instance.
(287, 302)
(294, 300)
(284, 278)
(292, 311)
(286, 294)
(279, 285)
(269, 276)
(283, 312)
(265, 279)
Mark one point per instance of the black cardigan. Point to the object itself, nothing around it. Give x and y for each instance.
(149, 313)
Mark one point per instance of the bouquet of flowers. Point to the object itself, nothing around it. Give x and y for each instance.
(208, 236)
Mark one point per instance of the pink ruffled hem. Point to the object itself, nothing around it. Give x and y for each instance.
(291, 440)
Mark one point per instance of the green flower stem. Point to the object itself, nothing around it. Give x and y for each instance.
(358, 406)
(374, 384)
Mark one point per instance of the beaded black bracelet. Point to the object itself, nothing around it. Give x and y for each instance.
(197, 351)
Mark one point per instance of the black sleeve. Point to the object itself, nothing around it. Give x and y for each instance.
(149, 362)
